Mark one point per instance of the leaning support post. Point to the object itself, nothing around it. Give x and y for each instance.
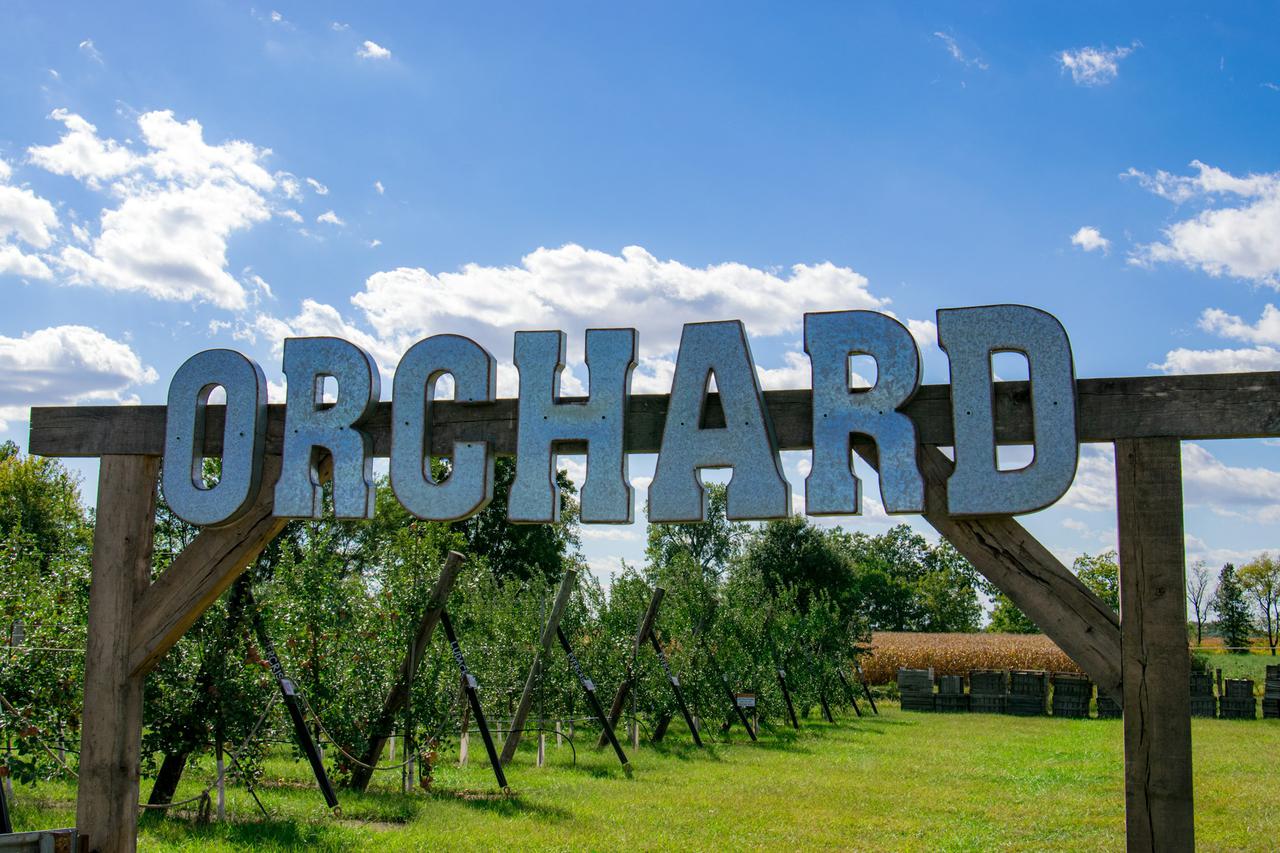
(628, 679)
(674, 681)
(470, 686)
(289, 692)
(866, 688)
(589, 687)
(111, 738)
(786, 695)
(848, 692)
(549, 631)
(399, 695)
(1159, 811)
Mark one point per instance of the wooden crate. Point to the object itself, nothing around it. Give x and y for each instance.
(951, 684)
(1238, 707)
(1271, 709)
(1107, 709)
(984, 703)
(1204, 706)
(1239, 688)
(951, 702)
(988, 682)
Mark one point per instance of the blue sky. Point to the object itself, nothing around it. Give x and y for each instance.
(228, 175)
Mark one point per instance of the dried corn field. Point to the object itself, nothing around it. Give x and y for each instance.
(957, 654)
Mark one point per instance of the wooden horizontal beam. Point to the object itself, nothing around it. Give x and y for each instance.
(1225, 405)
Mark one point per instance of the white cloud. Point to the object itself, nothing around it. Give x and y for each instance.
(1094, 488)
(330, 218)
(339, 27)
(573, 288)
(81, 154)
(320, 189)
(180, 200)
(27, 216)
(31, 219)
(1235, 238)
(64, 365)
(957, 54)
(88, 49)
(1249, 493)
(276, 17)
(372, 50)
(377, 185)
(1184, 360)
(1090, 239)
(1265, 331)
(1094, 66)
(375, 243)
(290, 214)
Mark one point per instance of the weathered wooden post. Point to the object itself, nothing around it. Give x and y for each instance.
(398, 696)
(628, 679)
(549, 630)
(111, 737)
(1159, 810)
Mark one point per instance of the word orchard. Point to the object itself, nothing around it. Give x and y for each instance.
(719, 350)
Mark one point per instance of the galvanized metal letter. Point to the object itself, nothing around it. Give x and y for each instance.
(970, 336)
(600, 422)
(311, 426)
(469, 486)
(746, 443)
(243, 436)
(838, 412)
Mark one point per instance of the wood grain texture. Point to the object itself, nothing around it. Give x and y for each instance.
(567, 586)
(111, 737)
(1159, 809)
(399, 693)
(201, 573)
(1231, 405)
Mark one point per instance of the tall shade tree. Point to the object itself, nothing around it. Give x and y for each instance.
(1199, 585)
(1235, 623)
(1261, 581)
(711, 544)
(794, 553)
(1101, 574)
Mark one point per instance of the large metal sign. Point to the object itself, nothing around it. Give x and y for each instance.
(315, 426)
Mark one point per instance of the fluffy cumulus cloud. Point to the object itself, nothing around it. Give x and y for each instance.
(1263, 355)
(63, 365)
(1091, 240)
(177, 202)
(372, 50)
(27, 218)
(1233, 235)
(1094, 66)
(573, 288)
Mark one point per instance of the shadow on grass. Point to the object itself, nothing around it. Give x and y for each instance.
(505, 805)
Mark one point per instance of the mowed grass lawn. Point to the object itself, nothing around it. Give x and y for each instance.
(900, 781)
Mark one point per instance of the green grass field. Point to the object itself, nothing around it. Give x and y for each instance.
(899, 781)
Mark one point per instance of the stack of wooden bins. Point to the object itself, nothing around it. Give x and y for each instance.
(1203, 702)
(1271, 697)
(951, 695)
(1237, 702)
(915, 686)
(987, 691)
(1071, 695)
(1028, 693)
(1107, 708)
